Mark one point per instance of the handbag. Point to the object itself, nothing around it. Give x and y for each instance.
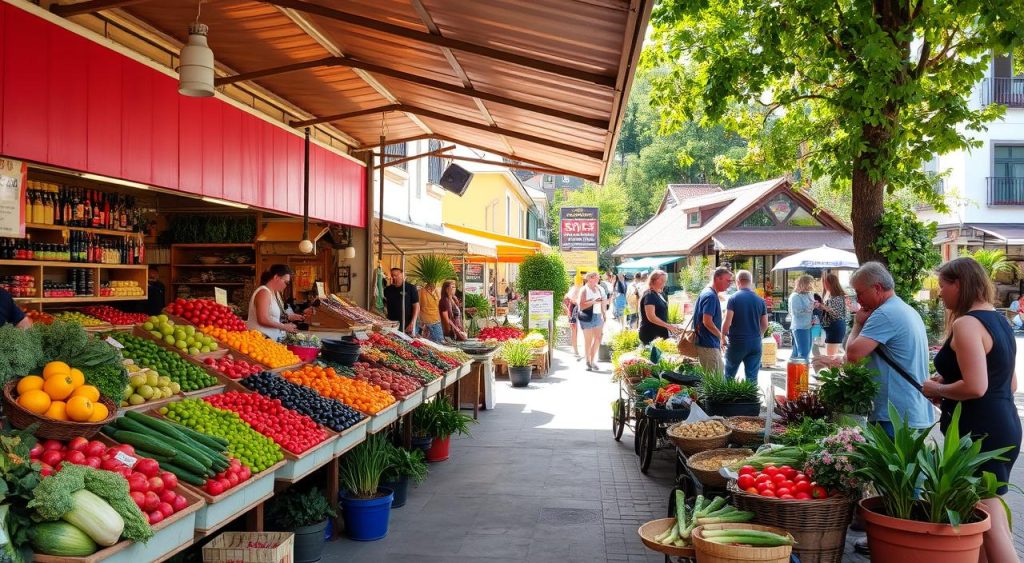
(687, 344)
(585, 315)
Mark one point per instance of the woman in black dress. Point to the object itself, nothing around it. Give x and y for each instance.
(976, 368)
(654, 310)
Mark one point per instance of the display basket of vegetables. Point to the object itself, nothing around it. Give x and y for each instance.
(706, 466)
(742, 543)
(51, 428)
(746, 430)
(656, 528)
(696, 437)
(674, 536)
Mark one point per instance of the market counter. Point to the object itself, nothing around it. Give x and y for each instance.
(477, 388)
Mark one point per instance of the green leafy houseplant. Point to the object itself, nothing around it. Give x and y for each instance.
(406, 463)
(542, 272)
(994, 262)
(849, 389)
(517, 353)
(298, 509)
(714, 388)
(479, 303)
(362, 468)
(432, 269)
(920, 480)
(439, 419)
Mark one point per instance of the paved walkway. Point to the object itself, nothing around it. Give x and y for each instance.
(541, 480)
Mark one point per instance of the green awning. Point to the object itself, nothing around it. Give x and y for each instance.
(646, 264)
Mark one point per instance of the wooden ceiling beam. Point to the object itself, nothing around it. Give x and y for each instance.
(458, 45)
(403, 160)
(515, 165)
(68, 10)
(371, 146)
(589, 177)
(343, 116)
(594, 122)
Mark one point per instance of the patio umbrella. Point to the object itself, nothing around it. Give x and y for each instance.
(821, 258)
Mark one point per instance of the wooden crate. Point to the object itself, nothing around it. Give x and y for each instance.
(297, 466)
(351, 437)
(233, 547)
(383, 419)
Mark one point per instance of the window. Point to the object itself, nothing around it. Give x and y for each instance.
(549, 180)
(759, 218)
(693, 218)
(435, 164)
(802, 218)
(1009, 161)
(398, 150)
(781, 207)
(508, 214)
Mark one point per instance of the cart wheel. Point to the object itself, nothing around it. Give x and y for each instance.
(638, 429)
(648, 441)
(619, 419)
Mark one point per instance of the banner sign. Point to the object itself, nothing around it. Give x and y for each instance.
(579, 235)
(13, 180)
(542, 308)
(474, 282)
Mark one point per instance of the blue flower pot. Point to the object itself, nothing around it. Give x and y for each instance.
(367, 519)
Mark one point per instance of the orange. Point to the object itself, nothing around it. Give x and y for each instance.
(59, 387)
(56, 368)
(77, 378)
(80, 409)
(99, 412)
(35, 400)
(58, 411)
(29, 383)
(87, 391)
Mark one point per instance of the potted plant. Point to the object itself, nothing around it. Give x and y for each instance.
(774, 331)
(304, 513)
(518, 355)
(849, 390)
(928, 509)
(365, 505)
(723, 396)
(405, 465)
(439, 419)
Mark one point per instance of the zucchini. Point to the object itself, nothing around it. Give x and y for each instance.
(183, 474)
(144, 442)
(158, 427)
(172, 435)
(61, 539)
(213, 442)
(183, 461)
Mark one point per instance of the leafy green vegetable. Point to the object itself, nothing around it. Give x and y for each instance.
(20, 352)
(61, 341)
(297, 509)
(18, 479)
(52, 498)
(111, 380)
(806, 432)
(850, 389)
(715, 388)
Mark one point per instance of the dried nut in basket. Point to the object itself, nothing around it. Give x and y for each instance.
(748, 425)
(716, 462)
(703, 429)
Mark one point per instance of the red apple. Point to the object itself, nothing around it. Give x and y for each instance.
(78, 443)
(148, 467)
(110, 464)
(51, 457)
(53, 445)
(138, 482)
(95, 448)
(36, 451)
(152, 501)
(179, 503)
(170, 480)
(214, 487)
(165, 508)
(45, 470)
(155, 517)
(139, 498)
(167, 496)
(156, 484)
(93, 462)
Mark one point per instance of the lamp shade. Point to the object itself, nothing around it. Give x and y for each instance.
(350, 252)
(195, 74)
(306, 246)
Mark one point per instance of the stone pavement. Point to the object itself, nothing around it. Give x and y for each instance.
(541, 480)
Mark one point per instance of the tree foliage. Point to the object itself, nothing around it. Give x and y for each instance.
(544, 272)
(994, 262)
(905, 243)
(860, 91)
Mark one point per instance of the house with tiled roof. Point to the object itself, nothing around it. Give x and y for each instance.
(676, 194)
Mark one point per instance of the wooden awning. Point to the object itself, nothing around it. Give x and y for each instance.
(541, 82)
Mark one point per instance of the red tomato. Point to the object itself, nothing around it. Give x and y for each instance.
(762, 478)
(802, 495)
(778, 478)
(787, 484)
(788, 471)
(802, 486)
(745, 481)
(786, 497)
(747, 470)
(819, 492)
(801, 477)
(782, 491)
(765, 486)
(768, 493)
(770, 470)
(752, 491)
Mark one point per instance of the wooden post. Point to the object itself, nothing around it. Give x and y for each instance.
(333, 489)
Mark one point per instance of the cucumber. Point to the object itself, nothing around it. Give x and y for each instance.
(144, 442)
(183, 462)
(183, 474)
(177, 436)
(212, 442)
(158, 426)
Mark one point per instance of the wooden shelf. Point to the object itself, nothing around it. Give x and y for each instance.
(214, 265)
(208, 283)
(108, 232)
(79, 299)
(55, 264)
(218, 245)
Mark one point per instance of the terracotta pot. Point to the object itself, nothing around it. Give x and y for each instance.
(893, 540)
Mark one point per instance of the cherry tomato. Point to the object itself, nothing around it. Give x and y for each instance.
(745, 481)
(747, 470)
(768, 493)
(819, 492)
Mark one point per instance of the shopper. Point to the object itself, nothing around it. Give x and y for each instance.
(398, 292)
(834, 315)
(591, 302)
(430, 313)
(266, 307)
(156, 297)
(10, 313)
(801, 311)
(620, 298)
(1018, 308)
(608, 288)
(708, 314)
(569, 306)
(451, 312)
(976, 370)
(654, 310)
(633, 295)
(746, 319)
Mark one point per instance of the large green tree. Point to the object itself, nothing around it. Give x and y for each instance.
(861, 91)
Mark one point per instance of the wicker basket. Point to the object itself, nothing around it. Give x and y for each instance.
(714, 479)
(708, 552)
(745, 437)
(49, 428)
(819, 526)
(655, 528)
(690, 446)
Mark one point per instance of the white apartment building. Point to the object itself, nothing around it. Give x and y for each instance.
(984, 187)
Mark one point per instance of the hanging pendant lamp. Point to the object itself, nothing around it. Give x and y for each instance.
(195, 73)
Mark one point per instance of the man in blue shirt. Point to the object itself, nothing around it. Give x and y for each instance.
(707, 313)
(886, 322)
(11, 313)
(746, 319)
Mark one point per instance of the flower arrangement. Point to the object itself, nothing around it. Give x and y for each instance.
(830, 464)
(636, 369)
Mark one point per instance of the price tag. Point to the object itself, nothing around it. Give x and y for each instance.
(114, 343)
(320, 291)
(126, 459)
(402, 335)
(361, 335)
(220, 296)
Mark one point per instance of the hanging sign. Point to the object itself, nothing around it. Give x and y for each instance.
(13, 180)
(542, 308)
(320, 291)
(220, 296)
(474, 282)
(579, 237)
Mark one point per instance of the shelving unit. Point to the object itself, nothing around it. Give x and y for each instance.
(185, 263)
(90, 230)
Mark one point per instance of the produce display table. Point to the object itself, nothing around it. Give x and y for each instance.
(433, 388)
(478, 387)
(298, 466)
(351, 437)
(234, 502)
(410, 403)
(383, 419)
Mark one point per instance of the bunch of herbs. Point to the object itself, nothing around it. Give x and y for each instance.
(407, 463)
(715, 388)
(849, 389)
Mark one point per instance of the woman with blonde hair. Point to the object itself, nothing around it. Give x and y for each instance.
(834, 315)
(572, 311)
(801, 309)
(591, 303)
(654, 310)
(976, 369)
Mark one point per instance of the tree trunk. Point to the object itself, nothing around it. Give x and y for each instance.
(866, 212)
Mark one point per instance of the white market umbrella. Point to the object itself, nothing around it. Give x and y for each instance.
(821, 258)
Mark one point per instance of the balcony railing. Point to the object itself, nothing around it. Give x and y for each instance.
(1006, 91)
(1005, 191)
